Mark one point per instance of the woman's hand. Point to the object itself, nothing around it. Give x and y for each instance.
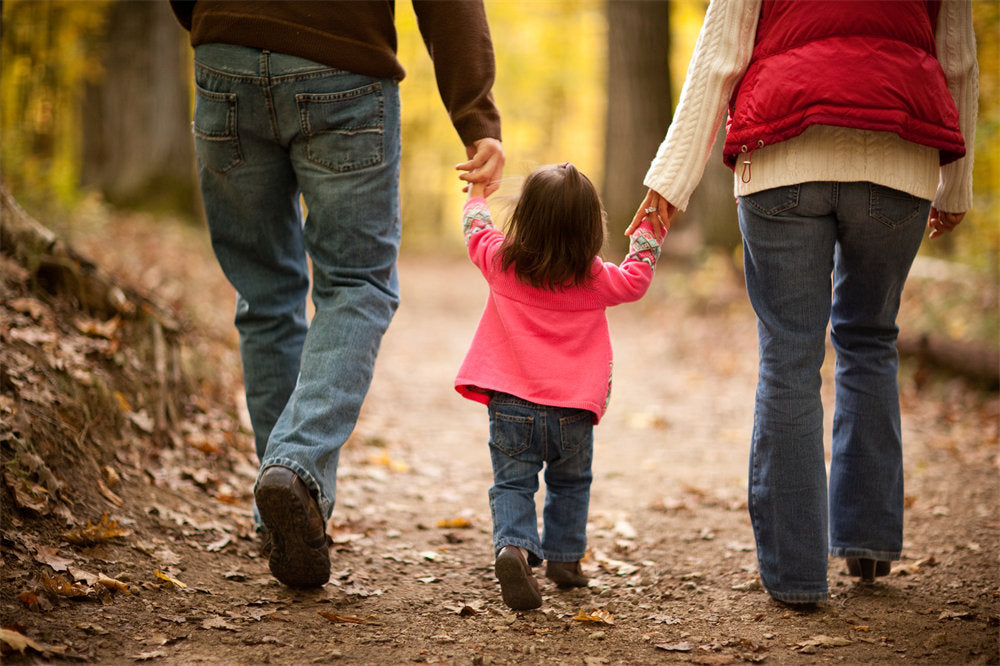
(485, 165)
(657, 210)
(941, 223)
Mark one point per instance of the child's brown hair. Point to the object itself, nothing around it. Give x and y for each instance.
(556, 229)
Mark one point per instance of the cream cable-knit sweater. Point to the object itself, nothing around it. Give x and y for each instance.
(822, 152)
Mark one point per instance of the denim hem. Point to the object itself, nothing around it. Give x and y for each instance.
(798, 597)
(883, 555)
(534, 553)
(563, 557)
(325, 505)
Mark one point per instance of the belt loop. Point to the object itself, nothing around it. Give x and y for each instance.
(265, 63)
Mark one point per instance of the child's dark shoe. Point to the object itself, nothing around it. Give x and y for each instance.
(566, 574)
(867, 569)
(518, 586)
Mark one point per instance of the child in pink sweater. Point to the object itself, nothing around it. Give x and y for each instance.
(540, 360)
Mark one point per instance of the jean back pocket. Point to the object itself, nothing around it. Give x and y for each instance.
(344, 130)
(216, 139)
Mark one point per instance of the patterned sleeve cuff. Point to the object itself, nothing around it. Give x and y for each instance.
(476, 218)
(644, 246)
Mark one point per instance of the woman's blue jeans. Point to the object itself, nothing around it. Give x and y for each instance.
(269, 127)
(526, 437)
(794, 238)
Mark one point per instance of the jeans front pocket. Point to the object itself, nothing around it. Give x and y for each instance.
(892, 207)
(774, 201)
(510, 433)
(576, 431)
(216, 140)
(344, 130)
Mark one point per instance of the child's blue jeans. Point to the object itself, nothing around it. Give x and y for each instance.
(526, 438)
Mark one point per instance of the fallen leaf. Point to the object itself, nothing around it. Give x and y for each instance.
(455, 523)
(147, 656)
(29, 599)
(142, 421)
(616, 567)
(169, 579)
(111, 476)
(346, 619)
(29, 306)
(625, 530)
(91, 534)
(384, 460)
(113, 584)
(93, 629)
(27, 495)
(955, 615)
(60, 586)
(823, 641)
(217, 622)
(465, 610)
(123, 403)
(109, 494)
(216, 546)
(84, 576)
(97, 329)
(19, 641)
(50, 556)
(595, 615)
(357, 589)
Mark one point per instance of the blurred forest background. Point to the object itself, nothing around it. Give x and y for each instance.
(96, 101)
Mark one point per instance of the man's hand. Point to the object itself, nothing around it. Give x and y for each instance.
(485, 165)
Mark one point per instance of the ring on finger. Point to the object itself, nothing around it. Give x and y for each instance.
(651, 209)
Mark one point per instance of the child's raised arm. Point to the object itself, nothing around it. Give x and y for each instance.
(477, 190)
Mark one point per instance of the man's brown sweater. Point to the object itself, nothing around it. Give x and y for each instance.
(360, 37)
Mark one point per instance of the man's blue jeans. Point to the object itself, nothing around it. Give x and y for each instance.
(268, 127)
(794, 238)
(525, 438)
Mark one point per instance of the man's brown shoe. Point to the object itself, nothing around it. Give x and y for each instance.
(300, 554)
(518, 586)
(566, 574)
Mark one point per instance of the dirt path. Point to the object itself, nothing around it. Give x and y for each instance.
(672, 561)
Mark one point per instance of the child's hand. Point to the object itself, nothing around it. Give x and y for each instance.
(476, 190)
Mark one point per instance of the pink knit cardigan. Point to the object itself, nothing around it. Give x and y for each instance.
(551, 347)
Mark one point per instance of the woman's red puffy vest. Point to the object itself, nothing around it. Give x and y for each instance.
(864, 65)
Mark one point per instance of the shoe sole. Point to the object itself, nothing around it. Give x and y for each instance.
(293, 561)
(515, 586)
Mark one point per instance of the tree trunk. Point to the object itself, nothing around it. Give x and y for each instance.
(974, 361)
(138, 149)
(639, 101)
